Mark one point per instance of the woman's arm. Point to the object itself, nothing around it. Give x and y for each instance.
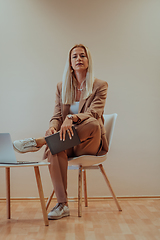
(56, 120)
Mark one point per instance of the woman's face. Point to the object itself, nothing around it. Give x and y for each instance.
(79, 59)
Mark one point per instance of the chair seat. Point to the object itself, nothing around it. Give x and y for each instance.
(86, 160)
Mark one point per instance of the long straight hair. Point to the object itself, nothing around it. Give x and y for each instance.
(69, 81)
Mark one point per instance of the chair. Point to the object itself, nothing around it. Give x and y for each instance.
(85, 162)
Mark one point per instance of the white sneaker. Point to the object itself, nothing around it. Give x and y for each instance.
(26, 145)
(59, 211)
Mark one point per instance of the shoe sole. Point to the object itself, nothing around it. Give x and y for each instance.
(58, 217)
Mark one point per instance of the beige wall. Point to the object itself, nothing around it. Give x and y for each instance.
(124, 39)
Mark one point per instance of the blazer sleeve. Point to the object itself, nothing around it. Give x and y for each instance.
(56, 120)
(94, 106)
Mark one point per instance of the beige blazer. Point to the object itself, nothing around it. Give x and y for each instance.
(93, 106)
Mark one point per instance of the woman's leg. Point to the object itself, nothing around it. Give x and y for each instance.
(90, 135)
(58, 171)
(40, 141)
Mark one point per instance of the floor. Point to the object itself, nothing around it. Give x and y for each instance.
(139, 220)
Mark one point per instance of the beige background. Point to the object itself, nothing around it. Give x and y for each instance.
(124, 39)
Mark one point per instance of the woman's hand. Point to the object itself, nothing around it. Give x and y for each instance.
(50, 131)
(66, 126)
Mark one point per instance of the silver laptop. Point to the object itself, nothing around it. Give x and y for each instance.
(7, 154)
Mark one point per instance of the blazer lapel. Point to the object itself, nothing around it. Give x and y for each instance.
(65, 110)
(81, 102)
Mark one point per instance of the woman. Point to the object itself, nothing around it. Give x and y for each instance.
(80, 100)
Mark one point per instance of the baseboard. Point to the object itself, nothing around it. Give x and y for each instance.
(73, 199)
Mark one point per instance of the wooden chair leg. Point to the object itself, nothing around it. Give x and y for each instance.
(110, 188)
(49, 199)
(8, 193)
(85, 188)
(80, 192)
(41, 195)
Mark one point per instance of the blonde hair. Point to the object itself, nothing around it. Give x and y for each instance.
(69, 79)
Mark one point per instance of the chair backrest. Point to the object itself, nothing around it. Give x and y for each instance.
(109, 124)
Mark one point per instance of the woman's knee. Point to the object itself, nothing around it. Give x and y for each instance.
(90, 136)
(88, 128)
(95, 125)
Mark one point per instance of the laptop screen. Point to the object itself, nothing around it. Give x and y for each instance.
(7, 154)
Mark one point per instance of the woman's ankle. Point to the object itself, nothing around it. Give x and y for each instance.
(40, 141)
